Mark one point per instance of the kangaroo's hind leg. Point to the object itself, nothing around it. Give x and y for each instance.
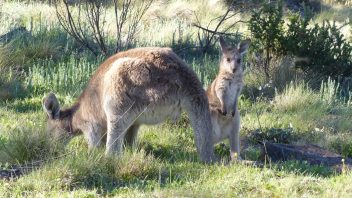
(131, 135)
(120, 117)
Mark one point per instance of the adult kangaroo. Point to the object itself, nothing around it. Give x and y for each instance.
(131, 88)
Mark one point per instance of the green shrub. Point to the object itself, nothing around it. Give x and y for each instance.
(252, 153)
(276, 135)
(320, 49)
(343, 147)
(222, 150)
(266, 27)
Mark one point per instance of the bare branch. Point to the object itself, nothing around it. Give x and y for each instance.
(90, 33)
(214, 32)
(68, 23)
(208, 34)
(136, 18)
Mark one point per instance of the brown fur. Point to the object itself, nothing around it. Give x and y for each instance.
(223, 96)
(138, 86)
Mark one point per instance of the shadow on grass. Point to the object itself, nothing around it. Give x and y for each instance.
(303, 167)
(170, 154)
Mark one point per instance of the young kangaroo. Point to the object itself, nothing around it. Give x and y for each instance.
(223, 96)
(131, 88)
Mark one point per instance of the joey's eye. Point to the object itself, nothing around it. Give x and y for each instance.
(228, 60)
(238, 61)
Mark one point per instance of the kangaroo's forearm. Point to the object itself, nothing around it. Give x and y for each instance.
(220, 94)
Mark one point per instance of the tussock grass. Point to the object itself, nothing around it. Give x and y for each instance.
(18, 54)
(25, 146)
(67, 77)
(297, 97)
(11, 88)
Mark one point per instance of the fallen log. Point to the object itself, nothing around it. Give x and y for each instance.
(313, 154)
(16, 171)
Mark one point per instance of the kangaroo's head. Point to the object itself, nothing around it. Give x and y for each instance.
(59, 122)
(231, 59)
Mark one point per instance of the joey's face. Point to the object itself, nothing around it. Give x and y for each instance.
(231, 59)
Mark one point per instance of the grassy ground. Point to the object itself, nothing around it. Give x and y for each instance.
(164, 162)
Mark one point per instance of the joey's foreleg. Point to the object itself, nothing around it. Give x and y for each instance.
(221, 94)
(234, 108)
(235, 137)
(235, 104)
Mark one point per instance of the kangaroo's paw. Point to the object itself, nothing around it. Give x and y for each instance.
(235, 156)
(224, 113)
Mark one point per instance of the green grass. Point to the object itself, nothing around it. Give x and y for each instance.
(164, 163)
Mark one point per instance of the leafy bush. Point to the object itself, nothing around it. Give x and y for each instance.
(222, 150)
(343, 147)
(266, 26)
(343, 2)
(252, 153)
(320, 49)
(276, 135)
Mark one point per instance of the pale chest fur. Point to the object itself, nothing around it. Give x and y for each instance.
(223, 126)
(230, 85)
(155, 114)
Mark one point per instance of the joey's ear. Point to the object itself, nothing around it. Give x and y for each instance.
(223, 44)
(51, 106)
(243, 46)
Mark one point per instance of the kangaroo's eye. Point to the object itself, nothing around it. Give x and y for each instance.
(238, 61)
(228, 60)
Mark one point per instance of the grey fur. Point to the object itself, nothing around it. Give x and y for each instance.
(223, 96)
(135, 87)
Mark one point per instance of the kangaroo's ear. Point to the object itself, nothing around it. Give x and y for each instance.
(223, 44)
(51, 106)
(243, 46)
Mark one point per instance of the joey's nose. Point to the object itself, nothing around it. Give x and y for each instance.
(233, 70)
